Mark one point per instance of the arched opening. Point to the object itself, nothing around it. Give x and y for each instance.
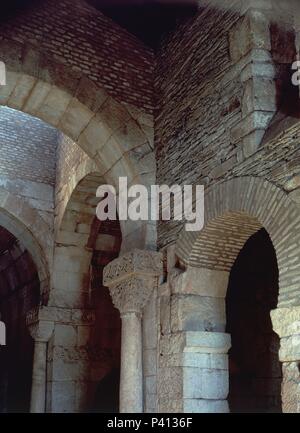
(254, 368)
(90, 244)
(19, 293)
(242, 226)
(106, 335)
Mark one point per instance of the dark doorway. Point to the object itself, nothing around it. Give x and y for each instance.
(254, 368)
(105, 342)
(19, 293)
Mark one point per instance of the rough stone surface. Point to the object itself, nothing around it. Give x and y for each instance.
(81, 100)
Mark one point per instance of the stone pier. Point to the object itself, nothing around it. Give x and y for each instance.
(286, 323)
(131, 280)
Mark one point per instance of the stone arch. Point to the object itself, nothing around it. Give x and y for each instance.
(72, 254)
(21, 220)
(85, 169)
(117, 137)
(236, 209)
(81, 241)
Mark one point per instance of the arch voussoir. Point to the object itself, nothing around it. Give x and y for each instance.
(236, 209)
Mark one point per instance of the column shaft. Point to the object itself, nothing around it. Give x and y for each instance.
(41, 330)
(131, 381)
(38, 390)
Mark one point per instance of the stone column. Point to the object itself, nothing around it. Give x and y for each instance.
(286, 323)
(131, 280)
(193, 373)
(40, 331)
(193, 346)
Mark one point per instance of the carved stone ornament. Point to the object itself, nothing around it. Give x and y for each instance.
(40, 330)
(132, 278)
(136, 262)
(131, 295)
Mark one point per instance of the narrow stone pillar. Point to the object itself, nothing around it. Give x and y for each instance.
(131, 380)
(40, 331)
(194, 372)
(193, 346)
(286, 323)
(131, 280)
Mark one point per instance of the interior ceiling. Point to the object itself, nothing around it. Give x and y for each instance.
(147, 19)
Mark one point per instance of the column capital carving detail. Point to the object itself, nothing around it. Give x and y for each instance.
(39, 329)
(131, 279)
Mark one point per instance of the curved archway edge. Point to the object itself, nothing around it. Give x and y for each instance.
(118, 138)
(20, 219)
(236, 209)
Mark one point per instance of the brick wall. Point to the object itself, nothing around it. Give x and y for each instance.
(76, 34)
(27, 147)
(69, 156)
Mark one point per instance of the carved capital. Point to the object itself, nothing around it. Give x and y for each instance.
(131, 295)
(136, 262)
(286, 321)
(132, 278)
(40, 330)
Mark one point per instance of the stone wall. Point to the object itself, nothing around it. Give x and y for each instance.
(227, 115)
(220, 85)
(77, 35)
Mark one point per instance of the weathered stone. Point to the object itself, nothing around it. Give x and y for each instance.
(65, 335)
(198, 342)
(197, 313)
(202, 282)
(205, 383)
(205, 406)
(291, 387)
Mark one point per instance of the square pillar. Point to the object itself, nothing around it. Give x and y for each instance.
(286, 323)
(194, 372)
(193, 348)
